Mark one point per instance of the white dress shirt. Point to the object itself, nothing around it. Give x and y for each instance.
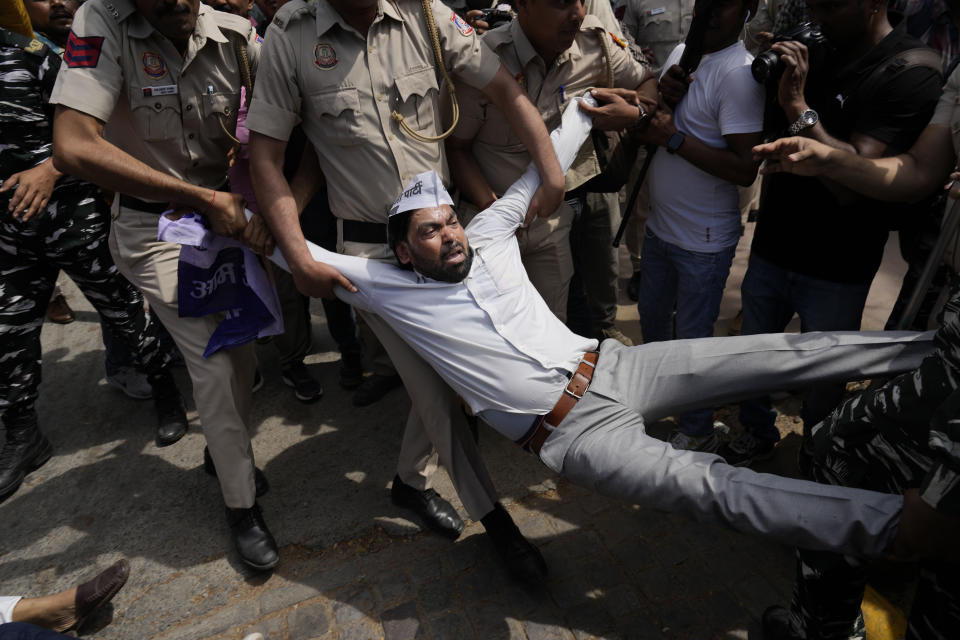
(492, 338)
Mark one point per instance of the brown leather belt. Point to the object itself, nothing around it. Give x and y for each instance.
(575, 389)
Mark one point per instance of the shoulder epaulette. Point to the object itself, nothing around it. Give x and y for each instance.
(291, 12)
(29, 45)
(231, 22)
(617, 40)
(119, 10)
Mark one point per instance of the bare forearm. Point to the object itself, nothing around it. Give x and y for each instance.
(527, 123)
(722, 163)
(308, 179)
(278, 206)
(897, 178)
(468, 177)
(85, 154)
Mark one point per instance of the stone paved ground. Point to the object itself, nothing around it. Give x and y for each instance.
(352, 565)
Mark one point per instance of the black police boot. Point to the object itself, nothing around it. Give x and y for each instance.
(523, 560)
(436, 512)
(25, 450)
(171, 413)
(253, 540)
(259, 480)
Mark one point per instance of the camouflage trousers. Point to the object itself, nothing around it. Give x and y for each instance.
(881, 440)
(71, 234)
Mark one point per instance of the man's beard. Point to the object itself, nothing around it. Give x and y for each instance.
(438, 271)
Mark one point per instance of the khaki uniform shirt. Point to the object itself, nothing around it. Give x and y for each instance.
(171, 113)
(501, 156)
(948, 114)
(344, 87)
(658, 24)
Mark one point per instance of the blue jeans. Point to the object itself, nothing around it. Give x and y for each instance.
(24, 631)
(771, 295)
(693, 282)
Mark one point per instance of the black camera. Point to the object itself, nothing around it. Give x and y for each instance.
(495, 17)
(768, 67)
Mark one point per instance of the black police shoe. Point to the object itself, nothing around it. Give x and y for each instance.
(25, 450)
(351, 370)
(259, 479)
(374, 388)
(522, 559)
(779, 623)
(171, 413)
(253, 540)
(436, 512)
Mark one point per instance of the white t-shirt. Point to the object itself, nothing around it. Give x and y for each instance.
(688, 206)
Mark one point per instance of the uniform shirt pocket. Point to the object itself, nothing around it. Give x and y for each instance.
(335, 116)
(660, 24)
(157, 118)
(219, 108)
(417, 94)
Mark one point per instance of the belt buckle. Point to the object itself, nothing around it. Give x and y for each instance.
(567, 391)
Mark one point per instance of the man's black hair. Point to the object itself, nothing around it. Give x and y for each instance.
(397, 227)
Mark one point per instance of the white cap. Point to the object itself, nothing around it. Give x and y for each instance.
(423, 192)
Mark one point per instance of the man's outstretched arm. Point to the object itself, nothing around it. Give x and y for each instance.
(903, 178)
(280, 209)
(527, 123)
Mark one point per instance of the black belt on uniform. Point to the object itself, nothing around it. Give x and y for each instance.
(143, 205)
(366, 232)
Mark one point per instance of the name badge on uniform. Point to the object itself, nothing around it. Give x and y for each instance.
(160, 90)
(657, 11)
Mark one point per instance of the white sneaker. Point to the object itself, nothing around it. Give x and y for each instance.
(131, 382)
(708, 443)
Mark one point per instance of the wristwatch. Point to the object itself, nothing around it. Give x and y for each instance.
(675, 141)
(642, 119)
(806, 120)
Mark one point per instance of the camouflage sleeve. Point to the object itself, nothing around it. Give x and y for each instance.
(941, 486)
(48, 75)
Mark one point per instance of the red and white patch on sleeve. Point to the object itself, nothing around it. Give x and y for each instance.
(82, 52)
(462, 26)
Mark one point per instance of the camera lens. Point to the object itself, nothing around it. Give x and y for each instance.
(764, 67)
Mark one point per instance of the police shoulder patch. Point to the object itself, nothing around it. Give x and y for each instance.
(35, 47)
(291, 12)
(462, 25)
(231, 22)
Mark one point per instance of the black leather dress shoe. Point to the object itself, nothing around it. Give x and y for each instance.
(374, 388)
(779, 624)
(259, 479)
(523, 560)
(171, 413)
(95, 593)
(436, 512)
(253, 540)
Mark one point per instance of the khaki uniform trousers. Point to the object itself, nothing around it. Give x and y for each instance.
(221, 383)
(545, 252)
(436, 426)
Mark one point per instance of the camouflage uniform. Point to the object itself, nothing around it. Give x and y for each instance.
(905, 434)
(70, 234)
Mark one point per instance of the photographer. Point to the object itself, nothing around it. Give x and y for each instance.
(817, 245)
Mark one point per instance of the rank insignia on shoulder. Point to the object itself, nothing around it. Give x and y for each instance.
(277, 20)
(82, 52)
(620, 42)
(462, 25)
(112, 9)
(34, 46)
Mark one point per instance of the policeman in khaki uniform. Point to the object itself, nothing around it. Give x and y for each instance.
(484, 155)
(146, 99)
(344, 68)
(658, 24)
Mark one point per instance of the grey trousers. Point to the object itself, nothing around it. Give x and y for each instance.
(602, 443)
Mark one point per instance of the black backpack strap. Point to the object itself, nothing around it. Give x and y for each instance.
(897, 64)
